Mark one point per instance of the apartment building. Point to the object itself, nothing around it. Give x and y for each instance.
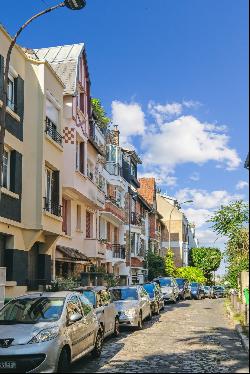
(30, 206)
(178, 232)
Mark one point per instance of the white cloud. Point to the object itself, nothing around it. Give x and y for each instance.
(241, 185)
(208, 237)
(195, 177)
(162, 177)
(129, 118)
(186, 140)
(203, 199)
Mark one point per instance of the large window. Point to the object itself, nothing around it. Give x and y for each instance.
(78, 218)
(80, 157)
(52, 192)
(6, 169)
(11, 93)
(89, 225)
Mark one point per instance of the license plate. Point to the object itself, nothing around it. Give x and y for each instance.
(7, 365)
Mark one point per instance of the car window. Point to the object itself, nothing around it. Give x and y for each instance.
(87, 307)
(74, 306)
(90, 295)
(119, 294)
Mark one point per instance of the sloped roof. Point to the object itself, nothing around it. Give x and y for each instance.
(72, 253)
(64, 60)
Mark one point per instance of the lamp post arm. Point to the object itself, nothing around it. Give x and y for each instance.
(5, 85)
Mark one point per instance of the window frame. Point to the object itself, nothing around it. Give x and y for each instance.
(11, 101)
(8, 152)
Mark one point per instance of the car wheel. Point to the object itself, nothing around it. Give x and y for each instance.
(157, 312)
(117, 327)
(140, 322)
(63, 362)
(150, 315)
(98, 344)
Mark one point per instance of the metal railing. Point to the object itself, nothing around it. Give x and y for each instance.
(52, 132)
(113, 169)
(52, 207)
(119, 251)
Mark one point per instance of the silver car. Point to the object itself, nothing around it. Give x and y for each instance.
(45, 332)
(133, 305)
(169, 288)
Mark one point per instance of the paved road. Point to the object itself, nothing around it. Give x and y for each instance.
(190, 337)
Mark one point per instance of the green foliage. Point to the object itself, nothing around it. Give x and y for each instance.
(229, 219)
(156, 266)
(100, 114)
(207, 259)
(191, 273)
(111, 280)
(169, 264)
(61, 284)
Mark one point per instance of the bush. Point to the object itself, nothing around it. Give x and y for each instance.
(61, 284)
(190, 273)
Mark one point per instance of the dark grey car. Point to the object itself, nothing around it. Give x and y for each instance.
(155, 295)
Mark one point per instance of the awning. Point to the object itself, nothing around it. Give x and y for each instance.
(72, 254)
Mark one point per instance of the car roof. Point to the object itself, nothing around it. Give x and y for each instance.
(34, 295)
(124, 287)
(91, 288)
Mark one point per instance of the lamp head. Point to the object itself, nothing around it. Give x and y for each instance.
(75, 4)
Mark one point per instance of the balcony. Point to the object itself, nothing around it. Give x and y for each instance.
(97, 138)
(52, 207)
(113, 169)
(52, 132)
(119, 251)
(114, 210)
(93, 248)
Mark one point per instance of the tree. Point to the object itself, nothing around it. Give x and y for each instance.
(100, 114)
(207, 259)
(192, 274)
(156, 266)
(169, 263)
(231, 221)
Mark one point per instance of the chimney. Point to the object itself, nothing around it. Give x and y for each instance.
(116, 136)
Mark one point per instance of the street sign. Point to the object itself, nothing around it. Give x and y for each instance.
(75, 4)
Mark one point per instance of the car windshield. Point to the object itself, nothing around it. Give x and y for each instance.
(150, 288)
(180, 281)
(120, 294)
(164, 282)
(90, 295)
(207, 288)
(32, 310)
(218, 288)
(194, 285)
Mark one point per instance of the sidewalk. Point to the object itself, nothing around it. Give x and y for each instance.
(242, 330)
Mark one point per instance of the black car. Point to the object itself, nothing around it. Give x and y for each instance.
(197, 291)
(184, 289)
(155, 295)
(218, 291)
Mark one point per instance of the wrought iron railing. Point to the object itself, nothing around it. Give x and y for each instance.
(52, 207)
(119, 251)
(52, 132)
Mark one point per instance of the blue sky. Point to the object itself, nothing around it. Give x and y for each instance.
(174, 74)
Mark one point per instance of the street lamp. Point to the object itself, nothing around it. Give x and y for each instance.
(178, 206)
(71, 4)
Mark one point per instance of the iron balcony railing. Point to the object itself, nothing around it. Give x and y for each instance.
(52, 207)
(119, 251)
(52, 132)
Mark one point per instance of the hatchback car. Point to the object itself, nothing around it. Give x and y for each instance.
(105, 310)
(197, 291)
(155, 295)
(132, 304)
(45, 332)
(184, 289)
(169, 289)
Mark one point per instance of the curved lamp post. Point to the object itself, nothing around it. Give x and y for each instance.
(71, 4)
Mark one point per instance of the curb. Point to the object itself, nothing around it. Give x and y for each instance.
(244, 339)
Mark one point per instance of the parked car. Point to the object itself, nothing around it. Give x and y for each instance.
(105, 310)
(155, 296)
(132, 304)
(169, 288)
(184, 289)
(208, 291)
(46, 332)
(197, 291)
(218, 291)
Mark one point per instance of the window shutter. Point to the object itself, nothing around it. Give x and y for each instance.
(19, 96)
(1, 76)
(55, 188)
(64, 214)
(82, 157)
(16, 172)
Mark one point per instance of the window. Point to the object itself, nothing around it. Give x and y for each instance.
(90, 170)
(133, 170)
(78, 218)
(6, 169)
(65, 214)
(52, 192)
(118, 197)
(109, 232)
(11, 93)
(116, 235)
(80, 157)
(112, 153)
(52, 113)
(89, 225)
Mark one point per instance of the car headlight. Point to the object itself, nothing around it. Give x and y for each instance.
(45, 335)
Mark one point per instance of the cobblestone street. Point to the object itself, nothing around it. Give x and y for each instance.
(190, 337)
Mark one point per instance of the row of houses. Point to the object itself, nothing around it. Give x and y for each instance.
(72, 204)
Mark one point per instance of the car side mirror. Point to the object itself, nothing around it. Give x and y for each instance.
(75, 318)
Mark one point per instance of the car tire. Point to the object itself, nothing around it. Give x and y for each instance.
(140, 322)
(117, 327)
(63, 362)
(97, 351)
(157, 312)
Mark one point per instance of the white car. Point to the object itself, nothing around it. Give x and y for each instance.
(169, 288)
(45, 332)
